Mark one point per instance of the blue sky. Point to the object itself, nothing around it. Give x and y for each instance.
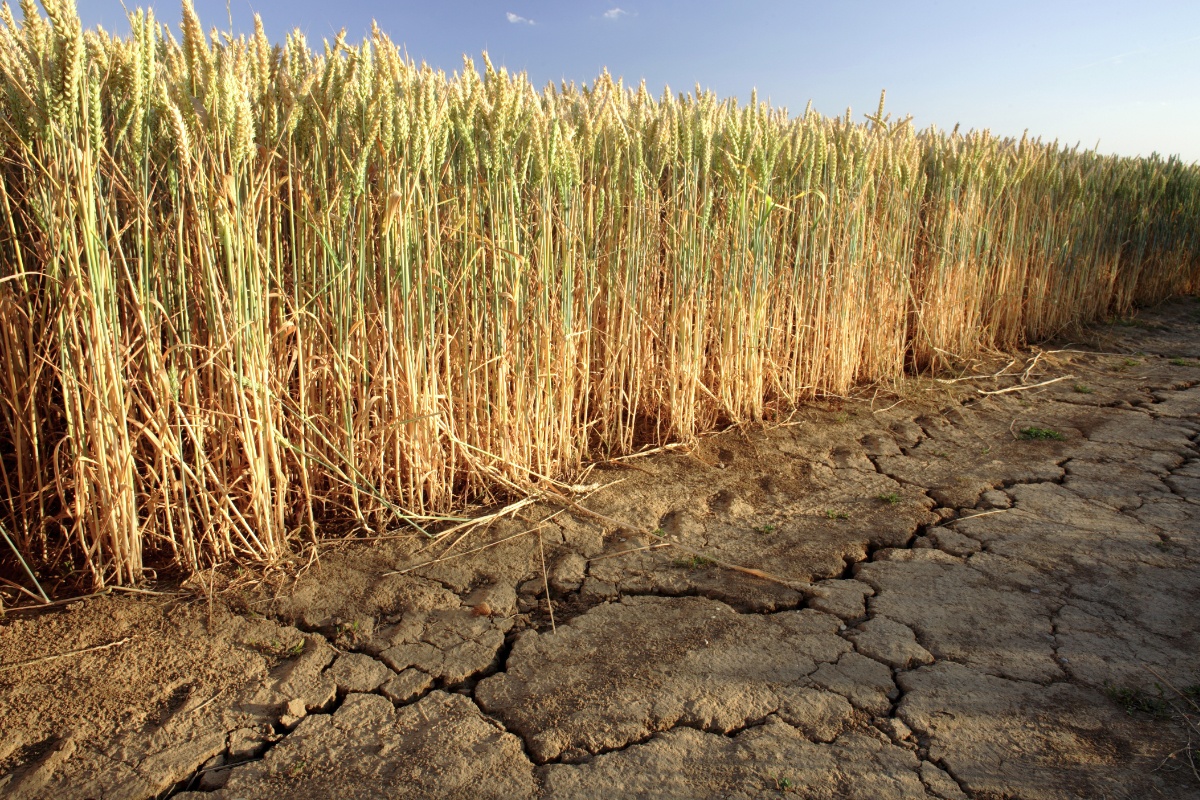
(1126, 77)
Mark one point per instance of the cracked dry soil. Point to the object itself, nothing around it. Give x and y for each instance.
(951, 610)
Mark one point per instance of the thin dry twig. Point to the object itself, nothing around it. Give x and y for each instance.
(1186, 750)
(471, 524)
(621, 465)
(889, 408)
(23, 590)
(44, 659)
(994, 375)
(1032, 364)
(1087, 352)
(105, 592)
(1023, 387)
(656, 546)
(980, 514)
(546, 582)
(466, 553)
(649, 451)
(207, 702)
(1173, 688)
(136, 590)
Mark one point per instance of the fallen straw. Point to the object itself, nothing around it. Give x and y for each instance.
(44, 659)
(1029, 386)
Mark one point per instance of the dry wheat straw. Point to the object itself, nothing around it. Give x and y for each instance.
(248, 290)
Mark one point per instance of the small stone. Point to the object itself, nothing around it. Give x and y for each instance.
(939, 783)
(531, 588)
(890, 642)
(596, 590)
(567, 573)
(908, 432)
(821, 716)
(498, 599)
(945, 513)
(577, 755)
(404, 687)
(954, 543)
(906, 555)
(896, 730)
(294, 712)
(303, 677)
(867, 684)
(247, 743)
(851, 458)
(994, 499)
(212, 776)
(879, 445)
(355, 672)
(842, 598)
(946, 496)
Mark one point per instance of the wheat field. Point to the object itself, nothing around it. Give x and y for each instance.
(251, 292)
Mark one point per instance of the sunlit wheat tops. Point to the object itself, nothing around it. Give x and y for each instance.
(251, 292)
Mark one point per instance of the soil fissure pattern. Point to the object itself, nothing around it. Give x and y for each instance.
(945, 598)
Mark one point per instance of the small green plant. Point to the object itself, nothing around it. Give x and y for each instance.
(296, 649)
(841, 418)
(829, 512)
(694, 562)
(891, 498)
(1130, 362)
(784, 784)
(768, 528)
(1137, 700)
(1183, 362)
(1083, 389)
(1041, 434)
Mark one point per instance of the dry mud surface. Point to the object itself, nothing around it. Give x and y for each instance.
(881, 598)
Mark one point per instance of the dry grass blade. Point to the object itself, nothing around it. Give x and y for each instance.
(82, 651)
(1023, 388)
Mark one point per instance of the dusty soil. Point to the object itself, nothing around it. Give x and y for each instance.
(931, 593)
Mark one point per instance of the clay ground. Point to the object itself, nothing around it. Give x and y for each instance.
(892, 596)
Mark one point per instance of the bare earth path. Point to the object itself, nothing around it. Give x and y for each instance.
(968, 595)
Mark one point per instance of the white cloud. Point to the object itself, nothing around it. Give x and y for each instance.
(615, 13)
(517, 19)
